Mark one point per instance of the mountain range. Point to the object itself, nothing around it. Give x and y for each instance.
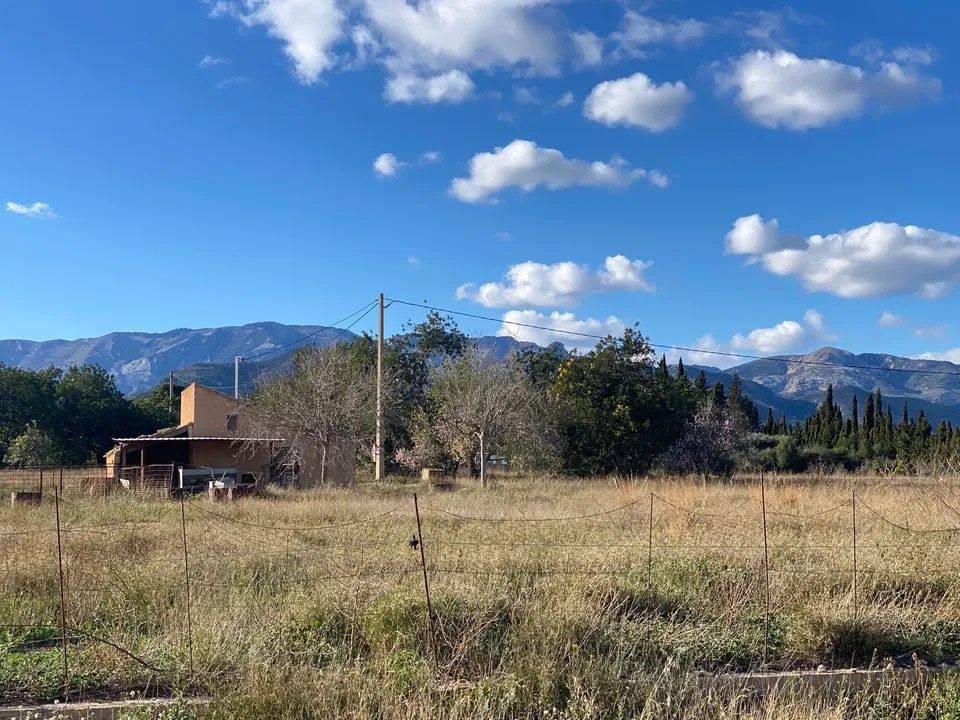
(788, 384)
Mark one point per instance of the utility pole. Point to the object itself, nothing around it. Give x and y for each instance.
(236, 377)
(379, 475)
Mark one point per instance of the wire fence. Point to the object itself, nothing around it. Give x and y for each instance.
(157, 589)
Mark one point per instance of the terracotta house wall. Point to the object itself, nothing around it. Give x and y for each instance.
(209, 411)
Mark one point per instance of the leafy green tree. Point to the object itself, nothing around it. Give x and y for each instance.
(26, 396)
(616, 415)
(91, 412)
(33, 447)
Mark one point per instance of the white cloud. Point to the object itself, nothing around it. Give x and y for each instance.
(441, 35)
(888, 319)
(562, 284)
(706, 351)
(38, 210)
(751, 235)
(387, 165)
(230, 81)
(913, 55)
(449, 87)
(566, 100)
(932, 331)
(785, 336)
(414, 262)
(308, 29)
(639, 102)
(873, 260)
(638, 31)
(526, 95)
(431, 157)
(552, 328)
(504, 236)
(525, 165)
(779, 89)
(212, 61)
(588, 48)
(952, 355)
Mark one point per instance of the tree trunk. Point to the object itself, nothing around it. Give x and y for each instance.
(323, 462)
(483, 461)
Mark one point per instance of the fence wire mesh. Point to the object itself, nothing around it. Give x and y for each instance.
(158, 589)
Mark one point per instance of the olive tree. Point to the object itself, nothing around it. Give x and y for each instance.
(481, 405)
(326, 403)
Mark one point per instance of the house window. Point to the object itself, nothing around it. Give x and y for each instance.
(232, 422)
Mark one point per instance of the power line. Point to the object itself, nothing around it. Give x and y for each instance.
(681, 348)
(365, 309)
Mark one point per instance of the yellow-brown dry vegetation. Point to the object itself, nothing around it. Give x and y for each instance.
(551, 598)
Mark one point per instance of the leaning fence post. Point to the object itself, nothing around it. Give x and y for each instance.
(431, 636)
(650, 554)
(41, 481)
(856, 603)
(766, 566)
(186, 580)
(63, 603)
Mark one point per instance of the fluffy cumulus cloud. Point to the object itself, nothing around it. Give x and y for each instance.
(637, 101)
(37, 210)
(419, 43)
(785, 336)
(387, 165)
(563, 284)
(778, 89)
(888, 319)
(308, 29)
(637, 32)
(449, 87)
(562, 327)
(525, 165)
(873, 260)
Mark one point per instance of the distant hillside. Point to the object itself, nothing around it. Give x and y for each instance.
(220, 375)
(141, 360)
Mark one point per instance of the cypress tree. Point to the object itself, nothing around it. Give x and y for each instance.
(700, 384)
(718, 395)
(869, 420)
(782, 426)
(663, 371)
(855, 412)
(768, 426)
(681, 370)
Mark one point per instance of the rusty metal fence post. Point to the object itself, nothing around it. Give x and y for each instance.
(766, 567)
(63, 600)
(856, 599)
(650, 554)
(431, 635)
(186, 580)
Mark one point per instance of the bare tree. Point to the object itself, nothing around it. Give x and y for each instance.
(482, 405)
(326, 404)
(707, 443)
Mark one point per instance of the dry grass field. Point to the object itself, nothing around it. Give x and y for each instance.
(550, 598)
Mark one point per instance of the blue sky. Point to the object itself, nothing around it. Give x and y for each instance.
(745, 179)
